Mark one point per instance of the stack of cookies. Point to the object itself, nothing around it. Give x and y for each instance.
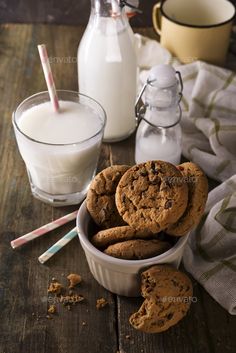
(141, 211)
(133, 206)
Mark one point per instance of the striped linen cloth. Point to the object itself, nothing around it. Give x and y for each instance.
(209, 139)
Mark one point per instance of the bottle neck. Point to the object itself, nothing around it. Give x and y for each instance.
(162, 106)
(161, 98)
(106, 8)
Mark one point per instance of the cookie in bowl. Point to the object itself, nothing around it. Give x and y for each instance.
(197, 196)
(106, 237)
(151, 195)
(137, 249)
(101, 197)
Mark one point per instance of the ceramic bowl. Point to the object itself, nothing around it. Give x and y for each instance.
(117, 275)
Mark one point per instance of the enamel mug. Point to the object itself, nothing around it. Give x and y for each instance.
(195, 29)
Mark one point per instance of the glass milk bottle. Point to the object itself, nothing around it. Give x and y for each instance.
(158, 136)
(107, 66)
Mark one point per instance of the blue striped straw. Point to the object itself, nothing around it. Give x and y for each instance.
(57, 246)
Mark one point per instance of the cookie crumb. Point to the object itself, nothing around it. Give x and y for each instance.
(48, 317)
(74, 279)
(84, 323)
(55, 287)
(54, 279)
(127, 337)
(52, 309)
(101, 303)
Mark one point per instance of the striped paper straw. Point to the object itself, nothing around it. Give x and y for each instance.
(48, 76)
(57, 246)
(43, 230)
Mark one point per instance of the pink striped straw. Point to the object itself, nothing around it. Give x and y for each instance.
(43, 230)
(48, 76)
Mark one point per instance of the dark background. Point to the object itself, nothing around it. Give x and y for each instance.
(71, 12)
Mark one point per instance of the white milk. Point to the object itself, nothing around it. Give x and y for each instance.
(157, 147)
(59, 169)
(107, 72)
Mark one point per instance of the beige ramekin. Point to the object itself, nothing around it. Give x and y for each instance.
(121, 276)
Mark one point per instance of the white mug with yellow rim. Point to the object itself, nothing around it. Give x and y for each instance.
(195, 29)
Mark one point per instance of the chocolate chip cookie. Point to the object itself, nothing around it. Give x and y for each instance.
(151, 195)
(197, 197)
(137, 249)
(168, 293)
(101, 197)
(114, 235)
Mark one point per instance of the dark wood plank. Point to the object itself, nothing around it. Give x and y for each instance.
(221, 326)
(23, 281)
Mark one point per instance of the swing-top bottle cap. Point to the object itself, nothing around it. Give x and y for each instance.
(162, 76)
(131, 7)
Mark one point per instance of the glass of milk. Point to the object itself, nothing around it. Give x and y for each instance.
(60, 150)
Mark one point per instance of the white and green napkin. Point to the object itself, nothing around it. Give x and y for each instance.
(209, 139)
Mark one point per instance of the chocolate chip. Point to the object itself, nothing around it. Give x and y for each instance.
(175, 283)
(143, 172)
(169, 316)
(155, 180)
(168, 204)
(153, 167)
(123, 198)
(149, 289)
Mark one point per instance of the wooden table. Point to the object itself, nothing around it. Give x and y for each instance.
(23, 281)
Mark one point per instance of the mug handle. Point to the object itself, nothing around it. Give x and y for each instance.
(156, 18)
